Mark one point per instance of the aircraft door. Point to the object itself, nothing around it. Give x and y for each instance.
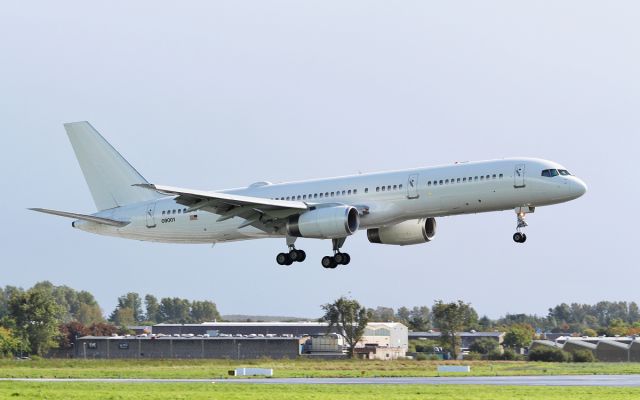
(412, 187)
(518, 176)
(151, 215)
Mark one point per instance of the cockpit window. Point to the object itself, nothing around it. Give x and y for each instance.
(550, 172)
(564, 172)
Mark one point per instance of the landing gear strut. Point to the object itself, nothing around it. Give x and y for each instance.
(338, 258)
(294, 255)
(521, 212)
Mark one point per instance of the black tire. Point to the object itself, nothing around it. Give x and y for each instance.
(339, 258)
(302, 255)
(327, 262)
(289, 260)
(517, 237)
(282, 258)
(333, 263)
(347, 258)
(294, 255)
(524, 238)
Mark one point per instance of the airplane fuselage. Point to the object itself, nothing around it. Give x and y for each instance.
(382, 199)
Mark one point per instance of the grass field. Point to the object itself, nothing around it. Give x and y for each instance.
(290, 368)
(231, 391)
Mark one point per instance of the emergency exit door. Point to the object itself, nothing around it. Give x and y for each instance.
(412, 187)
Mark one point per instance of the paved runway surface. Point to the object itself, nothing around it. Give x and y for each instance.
(565, 380)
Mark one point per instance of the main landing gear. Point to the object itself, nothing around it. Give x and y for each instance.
(294, 255)
(521, 212)
(338, 258)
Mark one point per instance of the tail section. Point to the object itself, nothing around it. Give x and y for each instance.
(109, 176)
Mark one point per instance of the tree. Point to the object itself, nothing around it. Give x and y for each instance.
(133, 304)
(36, 317)
(349, 317)
(69, 332)
(203, 311)
(9, 344)
(174, 310)
(451, 318)
(484, 346)
(419, 319)
(153, 308)
(381, 314)
(519, 335)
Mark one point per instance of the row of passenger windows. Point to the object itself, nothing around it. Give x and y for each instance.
(465, 179)
(178, 211)
(320, 195)
(549, 173)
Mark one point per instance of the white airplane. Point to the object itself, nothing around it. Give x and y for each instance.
(395, 207)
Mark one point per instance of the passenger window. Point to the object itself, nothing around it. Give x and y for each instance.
(383, 188)
(400, 186)
(315, 195)
(320, 195)
(299, 197)
(389, 187)
(500, 176)
(458, 180)
(464, 179)
(180, 211)
(435, 183)
(488, 176)
(366, 190)
(446, 182)
(441, 181)
(304, 197)
(482, 178)
(174, 211)
(475, 178)
(494, 176)
(333, 194)
(163, 212)
(378, 189)
(326, 194)
(355, 191)
(395, 187)
(429, 183)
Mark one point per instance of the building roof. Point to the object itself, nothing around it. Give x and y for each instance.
(465, 334)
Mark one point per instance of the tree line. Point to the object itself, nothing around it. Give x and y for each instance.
(47, 316)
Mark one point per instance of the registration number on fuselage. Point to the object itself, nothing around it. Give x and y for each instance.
(168, 220)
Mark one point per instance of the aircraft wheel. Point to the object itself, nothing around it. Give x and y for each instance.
(517, 237)
(339, 258)
(524, 238)
(328, 262)
(283, 259)
(301, 255)
(347, 258)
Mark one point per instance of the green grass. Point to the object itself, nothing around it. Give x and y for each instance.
(48, 368)
(230, 391)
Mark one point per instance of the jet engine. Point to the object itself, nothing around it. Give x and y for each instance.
(413, 231)
(324, 223)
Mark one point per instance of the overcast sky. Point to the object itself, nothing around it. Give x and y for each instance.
(212, 95)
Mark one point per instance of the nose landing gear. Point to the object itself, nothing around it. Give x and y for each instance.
(521, 212)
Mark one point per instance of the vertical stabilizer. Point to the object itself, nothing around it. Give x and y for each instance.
(109, 176)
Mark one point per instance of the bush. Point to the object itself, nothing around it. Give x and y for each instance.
(583, 356)
(507, 355)
(549, 354)
(483, 346)
(472, 356)
(421, 357)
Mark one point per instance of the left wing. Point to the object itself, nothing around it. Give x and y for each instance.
(255, 210)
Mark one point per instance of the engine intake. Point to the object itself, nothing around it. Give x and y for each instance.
(324, 223)
(413, 231)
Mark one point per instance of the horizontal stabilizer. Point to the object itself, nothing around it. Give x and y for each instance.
(84, 217)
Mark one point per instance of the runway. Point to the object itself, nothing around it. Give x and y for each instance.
(546, 380)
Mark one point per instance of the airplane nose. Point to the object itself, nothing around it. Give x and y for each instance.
(580, 187)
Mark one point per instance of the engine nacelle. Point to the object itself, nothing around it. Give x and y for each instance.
(413, 231)
(324, 223)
